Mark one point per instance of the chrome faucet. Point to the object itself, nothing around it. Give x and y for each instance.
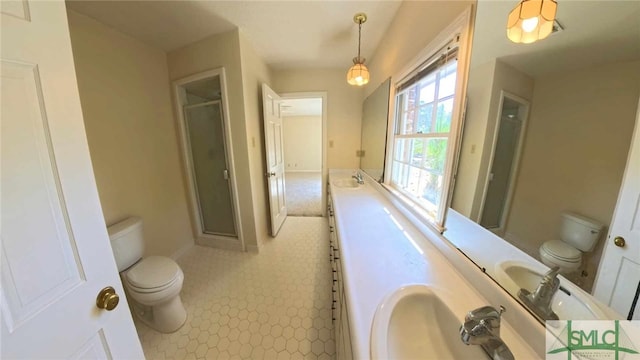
(358, 177)
(540, 300)
(482, 327)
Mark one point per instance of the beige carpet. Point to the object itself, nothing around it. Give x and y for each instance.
(304, 193)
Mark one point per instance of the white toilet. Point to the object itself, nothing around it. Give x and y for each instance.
(153, 284)
(578, 234)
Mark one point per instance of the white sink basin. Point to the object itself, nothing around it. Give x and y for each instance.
(574, 305)
(345, 183)
(414, 323)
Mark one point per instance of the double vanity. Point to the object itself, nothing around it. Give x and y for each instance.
(404, 292)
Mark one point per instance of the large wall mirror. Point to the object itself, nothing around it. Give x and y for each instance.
(375, 114)
(546, 136)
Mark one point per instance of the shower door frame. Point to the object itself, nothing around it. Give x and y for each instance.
(515, 162)
(203, 238)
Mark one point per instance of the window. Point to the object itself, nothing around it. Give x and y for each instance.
(421, 139)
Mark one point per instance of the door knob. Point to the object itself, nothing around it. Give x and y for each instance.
(270, 174)
(107, 299)
(619, 241)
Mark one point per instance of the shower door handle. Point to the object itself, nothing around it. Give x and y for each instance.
(225, 173)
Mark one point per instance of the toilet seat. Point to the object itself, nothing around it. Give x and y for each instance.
(153, 274)
(562, 251)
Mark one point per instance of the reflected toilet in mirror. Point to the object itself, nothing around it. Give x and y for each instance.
(578, 234)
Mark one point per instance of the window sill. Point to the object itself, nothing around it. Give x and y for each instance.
(413, 208)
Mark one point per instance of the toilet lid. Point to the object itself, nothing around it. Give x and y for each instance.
(562, 250)
(152, 272)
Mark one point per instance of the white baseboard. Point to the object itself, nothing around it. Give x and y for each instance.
(253, 248)
(220, 242)
(181, 251)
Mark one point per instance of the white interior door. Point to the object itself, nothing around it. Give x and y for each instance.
(56, 255)
(618, 280)
(274, 151)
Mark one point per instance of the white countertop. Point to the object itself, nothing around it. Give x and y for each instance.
(382, 251)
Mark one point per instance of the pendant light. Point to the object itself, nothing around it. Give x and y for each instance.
(358, 74)
(531, 20)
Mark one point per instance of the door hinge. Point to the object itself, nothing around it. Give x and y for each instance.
(225, 173)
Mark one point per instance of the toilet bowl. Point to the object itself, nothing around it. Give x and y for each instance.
(578, 234)
(153, 284)
(557, 253)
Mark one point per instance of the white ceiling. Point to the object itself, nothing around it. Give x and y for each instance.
(302, 107)
(595, 32)
(286, 34)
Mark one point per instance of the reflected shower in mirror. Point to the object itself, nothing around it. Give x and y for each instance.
(375, 113)
(504, 164)
(546, 137)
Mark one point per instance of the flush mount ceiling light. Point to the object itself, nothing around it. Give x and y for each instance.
(531, 20)
(358, 74)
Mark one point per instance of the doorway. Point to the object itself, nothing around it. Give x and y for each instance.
(507, 148)
(304, 129)
(206, 148)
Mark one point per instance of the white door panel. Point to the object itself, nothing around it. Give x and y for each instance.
(56, 255)
(618, 276)
(275, 158)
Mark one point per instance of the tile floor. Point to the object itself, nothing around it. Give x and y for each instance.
(272, 305)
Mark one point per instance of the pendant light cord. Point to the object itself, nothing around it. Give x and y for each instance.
(359, 37)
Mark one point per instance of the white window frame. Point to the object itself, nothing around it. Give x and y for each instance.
(460, 28)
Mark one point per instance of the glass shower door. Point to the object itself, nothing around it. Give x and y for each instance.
(205, 131)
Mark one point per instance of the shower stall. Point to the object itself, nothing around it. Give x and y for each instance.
(507, 147)
(206, 148)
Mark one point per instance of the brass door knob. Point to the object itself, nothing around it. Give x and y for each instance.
(619, 241)
(107, 299)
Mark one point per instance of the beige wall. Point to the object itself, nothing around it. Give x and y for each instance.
(302, 143)
(473, 137)
(126, 105)
(575, 151)
(409, 33)
(486, 82)
(254, 73)
(515, 82)
(217, 51)
(344, 109)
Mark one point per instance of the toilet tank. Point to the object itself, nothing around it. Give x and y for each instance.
(126, 241)
(580, 231)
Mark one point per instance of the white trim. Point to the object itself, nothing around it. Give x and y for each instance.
(253, 248)
(325, 172)
(179, 100)
(303, 171)
(462, 26)
(515, 162)
(220, 242)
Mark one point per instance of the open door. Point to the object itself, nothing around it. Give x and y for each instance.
(56, 257)
(274, 153)
(618, 280)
